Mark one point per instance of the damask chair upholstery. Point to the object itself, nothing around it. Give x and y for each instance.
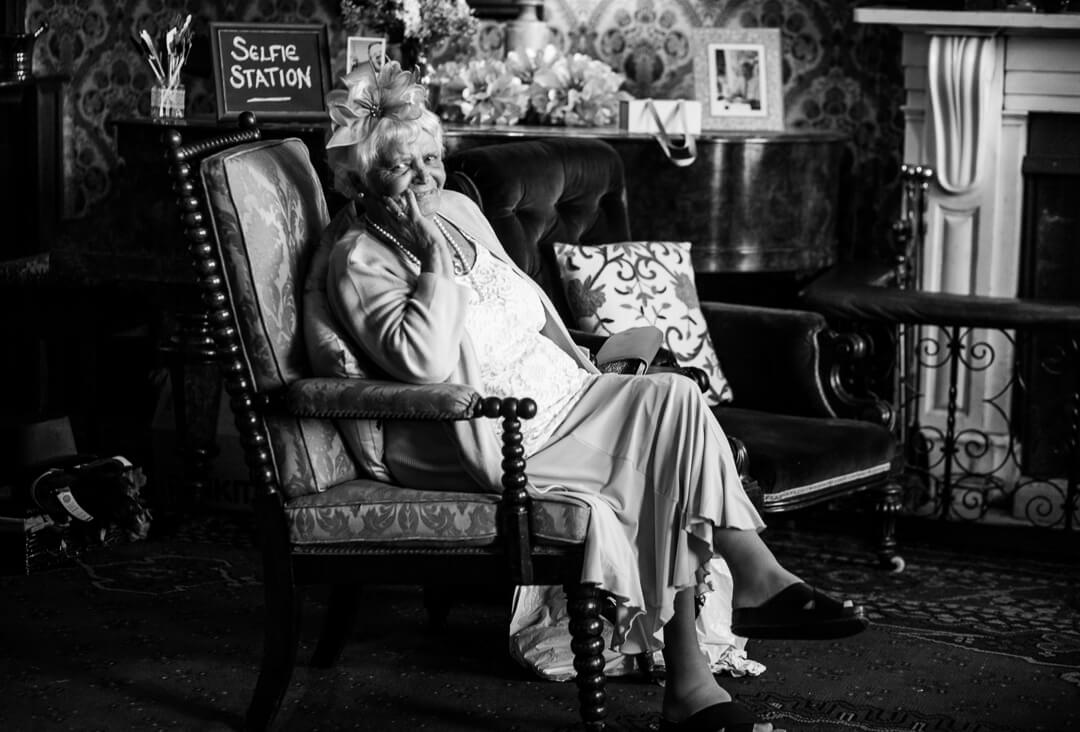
(253, 211)
(782, 364)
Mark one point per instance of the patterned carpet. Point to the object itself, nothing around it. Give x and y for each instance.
(164, 634)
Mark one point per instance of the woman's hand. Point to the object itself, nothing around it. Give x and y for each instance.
(417, 233)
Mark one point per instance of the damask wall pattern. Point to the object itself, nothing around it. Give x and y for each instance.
(89, 41)
(837, 75)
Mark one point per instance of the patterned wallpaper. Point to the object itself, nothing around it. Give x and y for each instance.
(837, 75)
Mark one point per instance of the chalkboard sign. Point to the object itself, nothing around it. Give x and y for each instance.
(275, 70)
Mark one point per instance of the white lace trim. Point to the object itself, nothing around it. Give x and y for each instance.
(504, 321)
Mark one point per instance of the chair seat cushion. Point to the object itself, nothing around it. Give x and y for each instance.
(370, 511)
(797, 460)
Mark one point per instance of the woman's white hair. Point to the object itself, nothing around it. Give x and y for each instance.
(373, 118)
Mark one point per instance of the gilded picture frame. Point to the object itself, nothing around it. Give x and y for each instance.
(738, 78)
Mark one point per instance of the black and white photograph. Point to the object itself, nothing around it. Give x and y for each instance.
(591, 366)
(737, 76)
(360, 50)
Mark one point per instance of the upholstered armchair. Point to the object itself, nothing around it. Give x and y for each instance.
(786, 367)
(253, 212)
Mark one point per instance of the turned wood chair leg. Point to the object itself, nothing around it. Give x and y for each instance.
(890, 501)
(281, 639)
(341, 609)
(586, 626)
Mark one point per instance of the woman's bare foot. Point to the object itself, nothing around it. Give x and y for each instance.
(690, 685)
(680, 709)
(759, 589)
(680, 703)
(756, 574)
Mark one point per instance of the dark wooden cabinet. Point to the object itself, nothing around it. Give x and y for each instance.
(750, 203)
(31, 158)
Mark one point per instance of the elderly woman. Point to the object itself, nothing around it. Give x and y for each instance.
(419, 280)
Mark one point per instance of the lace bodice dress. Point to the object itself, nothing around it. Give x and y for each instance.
(504, 322)
(645, 454)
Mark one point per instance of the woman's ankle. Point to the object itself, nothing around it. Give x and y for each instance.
(759, 589)
(681, 703)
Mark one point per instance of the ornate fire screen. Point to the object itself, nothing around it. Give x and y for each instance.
(985, 390)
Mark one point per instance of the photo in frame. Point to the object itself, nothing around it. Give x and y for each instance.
(737, 78)
(364, 50)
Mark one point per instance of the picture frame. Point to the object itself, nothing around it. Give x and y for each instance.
(738, 78)
(364, 50)
(279, 71)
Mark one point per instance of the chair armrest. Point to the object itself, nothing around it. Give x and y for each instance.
(771, 357)
(336, 398)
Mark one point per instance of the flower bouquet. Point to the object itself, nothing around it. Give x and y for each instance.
(421, 27)
(481, 92)
(541, 87)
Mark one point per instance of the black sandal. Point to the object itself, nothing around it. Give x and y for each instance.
(799, 612)
(729, 716)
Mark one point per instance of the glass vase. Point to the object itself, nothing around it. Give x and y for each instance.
(167, 103)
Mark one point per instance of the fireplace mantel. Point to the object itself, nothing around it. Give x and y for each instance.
(974, 21)
(973, 79)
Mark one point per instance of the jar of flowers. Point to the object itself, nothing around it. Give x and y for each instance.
(415, 30)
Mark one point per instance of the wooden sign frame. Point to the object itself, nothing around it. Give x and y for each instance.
(290, 63)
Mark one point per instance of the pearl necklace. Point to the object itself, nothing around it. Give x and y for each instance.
(453, 245)
(460, 267)
(412, 258)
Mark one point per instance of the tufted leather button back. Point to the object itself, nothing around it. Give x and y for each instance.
(574, 192)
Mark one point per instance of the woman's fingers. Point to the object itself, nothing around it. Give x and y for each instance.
(411, 205)
(395, 207)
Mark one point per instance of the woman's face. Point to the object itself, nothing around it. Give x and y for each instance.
(418, 166)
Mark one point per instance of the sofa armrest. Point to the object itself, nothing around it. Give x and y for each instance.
(791, 362)
(336, 398)
(771, 357)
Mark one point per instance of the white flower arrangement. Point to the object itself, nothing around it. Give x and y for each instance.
(544, 87)
(425, 23)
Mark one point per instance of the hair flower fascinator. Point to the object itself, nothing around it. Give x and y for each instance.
(371, 95)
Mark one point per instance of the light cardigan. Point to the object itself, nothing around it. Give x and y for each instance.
(412, 325)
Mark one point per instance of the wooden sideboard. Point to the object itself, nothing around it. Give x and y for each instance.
(763, 202)
(750, 203)
(31, 158)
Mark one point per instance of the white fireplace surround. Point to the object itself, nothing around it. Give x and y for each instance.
(971, 81)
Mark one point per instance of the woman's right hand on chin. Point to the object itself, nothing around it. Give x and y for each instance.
(401, 216)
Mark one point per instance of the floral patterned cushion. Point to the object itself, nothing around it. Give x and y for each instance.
(365, 510)
(612, 287)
